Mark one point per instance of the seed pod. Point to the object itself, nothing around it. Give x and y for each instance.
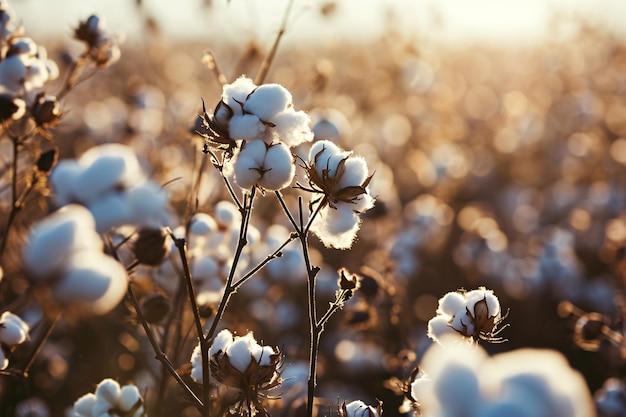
(155, 307)
(151, 247)
(47, 160)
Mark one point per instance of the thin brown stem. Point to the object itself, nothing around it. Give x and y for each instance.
(267, 62)
(211, 63)
(40, 342)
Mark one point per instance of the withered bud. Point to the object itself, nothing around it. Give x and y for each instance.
(589, 331)
(47, 160)
(46, 110)
(11, 108)
(348, 281)
(151, 247)
(89, 31)
(155, 307)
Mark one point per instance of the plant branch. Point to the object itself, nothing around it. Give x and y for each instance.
(267, 62)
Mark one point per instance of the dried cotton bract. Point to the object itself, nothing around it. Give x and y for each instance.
(464, 381)
(473, 314)
(64, 252)
(342, 179)
(102, 45)
(110, 400)
(13, 332)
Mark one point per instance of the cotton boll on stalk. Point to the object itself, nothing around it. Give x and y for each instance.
(355, 172)
(279, 168)
(13, 330)
(292, 127)
(239, 352)
(248, 164)
(451, 303)
(267, 100)
(234, 94)
(93, 280)
(359, 409)
(246, 126)
(148, 205)
(110, 211)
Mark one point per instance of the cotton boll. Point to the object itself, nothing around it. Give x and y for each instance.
(226, 214)
(132, 170)
(475, 296)
(196, 364)
(322, 150)
(247, 171)
(84, 404)
(457, 385)
(148, 204)
(234, 94)
(223, 339)
(94, 280)
(439, 326)
(355, 172)
(331, 227)
(341, 219)
(292, 127)
(54, 238)
(129, 396)
(268, 100)
(360, 409)
(463, 323)
(279, 167)
(106, 174)
(239, 353)
(63, 179)
(111, 210)
(108, 390)
(13, 330)
(12, 73)
(101, 408)
(265, 358)
(451, 303)
(246, 126)
(202, 224)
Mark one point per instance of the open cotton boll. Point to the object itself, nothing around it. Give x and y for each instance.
(53, 239)
(239, 353)
(322, 150)
(129, 396)
(83, 405)
(463, 323)
(246, 126)
(475, 296)
(458, 384)
(451, 303)
(359, 409)
(148, 205)
(223, 339)
(196, 364)
(111, 210)
(355, 172)
(12, 73)
(439, 326)
(292, 127)
(104, 175)
(279, 168)
(341, 219)
(265, 358)
(247, 170)
(108, 390)
(93, 280)
(132, 170)
(13, 330)
(336, 228)
(268, 100)
(234, 94)
(63, 179)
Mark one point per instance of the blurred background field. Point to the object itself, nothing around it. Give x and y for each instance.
(497, 163)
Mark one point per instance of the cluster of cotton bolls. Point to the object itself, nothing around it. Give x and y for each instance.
(64, 252)
(13, 332)
(463, 380)
(470, 314)
(264, 119)
(110, 182)
(110, 400)
(342, 178)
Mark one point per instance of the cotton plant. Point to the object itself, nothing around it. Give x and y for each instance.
(109, 181)
(65, 253)
(461, 379)
(13, 332)
(110, 400)
(471, 315)
(242, 364)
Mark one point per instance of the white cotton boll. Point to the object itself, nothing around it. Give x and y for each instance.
(238, 353)
(101, 408)
(245, 126)
(279, 167)
(475, 296)
(463, 323)
(84, 404)
(223, 339)
(94, 280)
(204, 268)
(63, 179)
(439, 326)
(265, 358)
(132, 170)
(451, 303)
(422, 388)
(322, 150)
(331, 227)
(234, 94)
(54, 238)
(13, 330)
(268, 100)
(341, 219)
(362, 203)
(355, 172)
(148, 205)
(360, 409)
(202, 224)
(196, 364)
(12, 73)
(457, 387)
(36, 75)
(254, 149)
(105, 175)
(226, 214)
(332, 164)
(293, 127)
(111, 210)
(129, 396)
(108, 390)
(247, 171)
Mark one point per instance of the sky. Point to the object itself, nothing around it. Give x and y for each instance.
(455, 21)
